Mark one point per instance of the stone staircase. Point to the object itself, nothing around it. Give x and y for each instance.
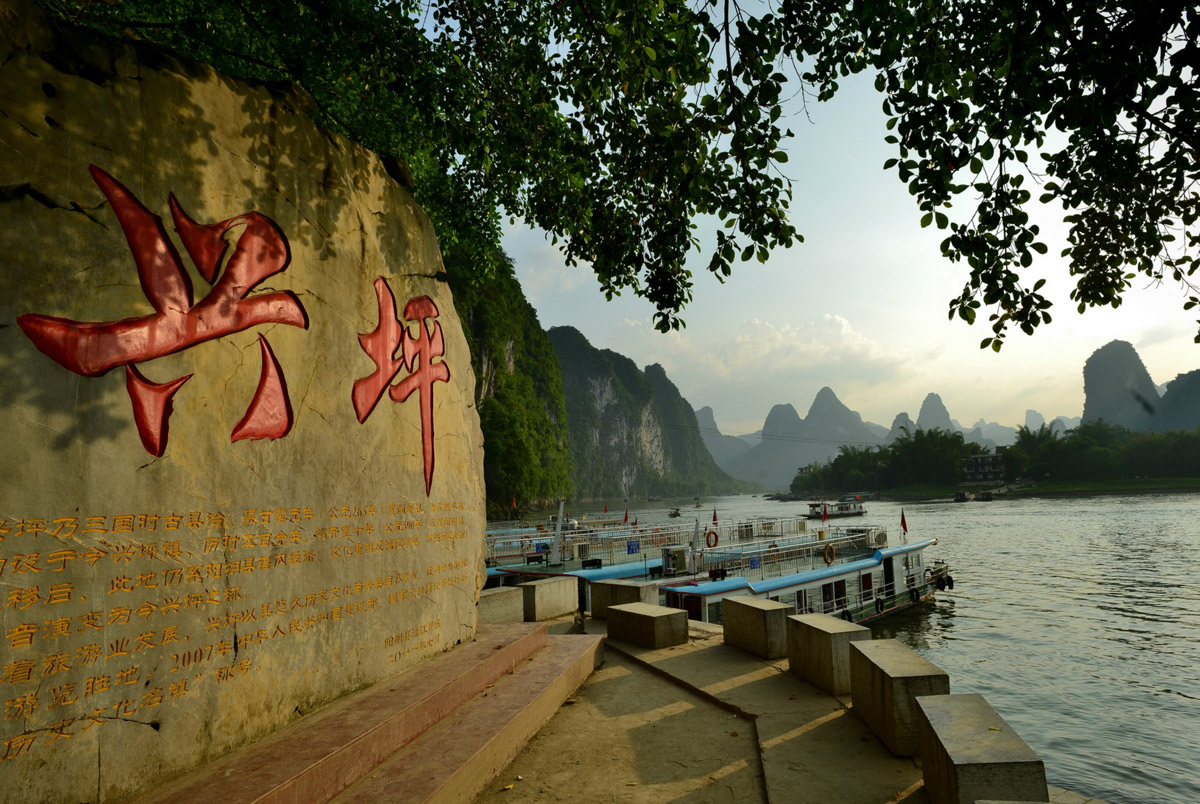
(436, 733)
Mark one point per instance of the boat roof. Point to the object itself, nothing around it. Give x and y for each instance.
(632, 569)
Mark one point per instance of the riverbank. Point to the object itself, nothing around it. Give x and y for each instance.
(1047, 488)
(706, 723)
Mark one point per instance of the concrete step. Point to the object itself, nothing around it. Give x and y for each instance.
(314, 759)
(452, 761)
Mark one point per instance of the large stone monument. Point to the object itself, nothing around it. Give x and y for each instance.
(240, 469)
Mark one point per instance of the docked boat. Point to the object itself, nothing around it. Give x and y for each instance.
(848, 572)
(856, 575)
(831, 510)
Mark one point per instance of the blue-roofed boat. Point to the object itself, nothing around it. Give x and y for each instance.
(849, 572)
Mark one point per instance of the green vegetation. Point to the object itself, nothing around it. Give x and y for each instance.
(924, 457)
(614, 124)
(609, 124)
(518, 391)
(1094, 456)
(1098, 451)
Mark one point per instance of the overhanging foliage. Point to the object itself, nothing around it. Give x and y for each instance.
(612, 124)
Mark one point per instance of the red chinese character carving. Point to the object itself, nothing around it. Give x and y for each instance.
(416, 356)
(93, 348)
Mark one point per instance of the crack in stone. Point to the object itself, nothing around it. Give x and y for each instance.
(15, 192)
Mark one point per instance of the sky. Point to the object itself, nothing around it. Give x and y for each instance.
(860, 306)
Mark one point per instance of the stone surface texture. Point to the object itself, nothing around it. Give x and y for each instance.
(647, 625)
(886, 677)
(758, 626)
(502, 604)
(547, 598)
(615, 593)
(818, 650)
(969, 753)
(159, 612)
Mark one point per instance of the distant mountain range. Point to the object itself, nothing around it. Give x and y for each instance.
(1117, 389)
(630, 432)
(787, 442)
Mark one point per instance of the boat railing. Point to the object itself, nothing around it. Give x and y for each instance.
(624, 543)
(756, 548)
(776, 559)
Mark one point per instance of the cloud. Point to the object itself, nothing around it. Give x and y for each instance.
(541, 267)
(827, 347)
(741, 376)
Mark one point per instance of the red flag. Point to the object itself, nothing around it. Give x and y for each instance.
(635, 521)
(903, 524)
(824, 513)
(626, 516)
(714, 514)
(514, 502)
(606, 508)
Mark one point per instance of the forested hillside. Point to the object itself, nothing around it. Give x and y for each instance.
(518, 391)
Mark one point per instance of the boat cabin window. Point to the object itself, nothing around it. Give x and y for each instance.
(833, 596)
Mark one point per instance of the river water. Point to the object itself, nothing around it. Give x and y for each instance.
(1077, 618)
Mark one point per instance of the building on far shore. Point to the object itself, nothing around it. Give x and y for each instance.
(982, 470)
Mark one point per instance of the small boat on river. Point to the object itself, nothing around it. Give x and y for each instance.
(832, 510)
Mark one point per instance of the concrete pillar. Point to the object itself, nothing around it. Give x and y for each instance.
(757, 626)
(547, 598)
(818, 650)
(617, 592)
(886, 677)
(968, 753)
(647, 626)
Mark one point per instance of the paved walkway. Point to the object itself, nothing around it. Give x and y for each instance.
(705, 722)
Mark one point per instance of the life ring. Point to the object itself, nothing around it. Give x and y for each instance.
(879, 605)
(914, 595)
(846, 616)
(941, 583)
(830, 554)
(950, 582)
(711, 538)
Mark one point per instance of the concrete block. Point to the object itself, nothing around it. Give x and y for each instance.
(886, 677)
(968, 753)
(617, 592)
(648, 626)
(548, 598)
(818, 650)
(502, 604)
(756, 626)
